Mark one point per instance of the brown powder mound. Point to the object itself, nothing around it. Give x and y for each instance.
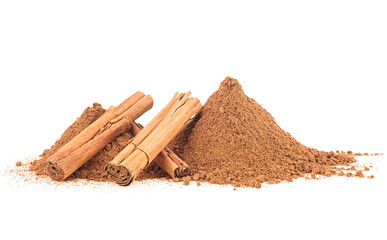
(233, 140)
(93, 169)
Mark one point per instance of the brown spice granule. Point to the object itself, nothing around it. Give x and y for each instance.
(18, 163)
(359, 174)
(195, 177)
(186, 180)
(175, 179)
(236, 141)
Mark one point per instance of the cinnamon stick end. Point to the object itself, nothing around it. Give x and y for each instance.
(119, 174)
(110, 168)
(55, 171)
(182, 172)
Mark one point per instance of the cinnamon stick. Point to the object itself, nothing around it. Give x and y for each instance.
(60, 169)
(170, 125)
(142, 134)
(182, 170)
(88, 133)
(167, 159)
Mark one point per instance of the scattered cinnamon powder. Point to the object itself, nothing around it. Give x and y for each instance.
(367, 154)
(359, 174)
(234, 140)
(18, 163)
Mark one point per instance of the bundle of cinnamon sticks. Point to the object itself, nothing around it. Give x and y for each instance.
(149, 143)
(120, 119)
(167, 160)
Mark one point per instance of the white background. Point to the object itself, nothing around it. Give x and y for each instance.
(318, 67)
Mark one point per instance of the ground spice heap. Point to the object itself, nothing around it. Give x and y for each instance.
(94, 168)
(234, 140)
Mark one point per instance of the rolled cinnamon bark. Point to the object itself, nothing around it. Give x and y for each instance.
(170, 125)
(141, 135)
(167, 160)
(182, 169)
(60, 169)
(88, 133)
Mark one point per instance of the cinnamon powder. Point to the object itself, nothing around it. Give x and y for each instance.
(234, 140)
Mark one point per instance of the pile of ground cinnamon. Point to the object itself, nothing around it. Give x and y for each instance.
(235, 141)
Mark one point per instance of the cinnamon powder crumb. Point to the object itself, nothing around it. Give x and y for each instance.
(359, 174)
(195, 177)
